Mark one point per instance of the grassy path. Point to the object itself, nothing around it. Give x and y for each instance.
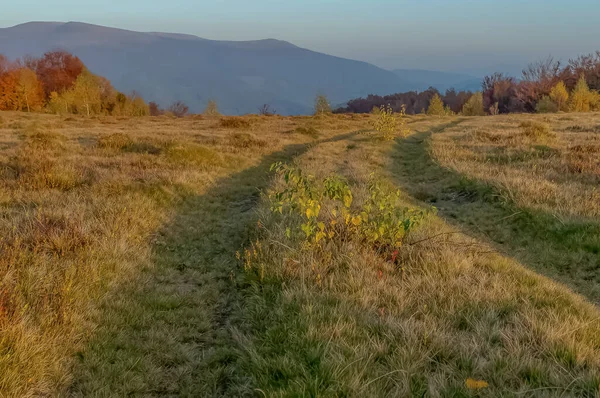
(562, 251)
(172, 336)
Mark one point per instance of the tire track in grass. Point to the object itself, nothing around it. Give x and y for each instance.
(564, 252)
(172, 336)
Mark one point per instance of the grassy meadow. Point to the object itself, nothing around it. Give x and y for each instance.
(299, 256)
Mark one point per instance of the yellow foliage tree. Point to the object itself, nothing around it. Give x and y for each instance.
(560, 96)
(30, 95)
(388, 124)
(322, 106)
(436, 106)
(581, 97)
(61, 103)
(212, 109)
(87, 98)
(474, 106)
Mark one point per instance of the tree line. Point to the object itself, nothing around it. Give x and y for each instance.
(412, 102)
(544, 86)
(59, 82)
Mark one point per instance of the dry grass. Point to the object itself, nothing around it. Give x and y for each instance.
(537, 169)
(119, 273)
(235, 123)
(346, 320)
(79, 202)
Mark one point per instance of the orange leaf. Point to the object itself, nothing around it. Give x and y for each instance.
(473, 384)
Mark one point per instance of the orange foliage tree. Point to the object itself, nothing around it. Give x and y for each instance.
(57, 71)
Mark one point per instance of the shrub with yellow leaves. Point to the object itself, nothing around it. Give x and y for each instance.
(388, 124)
(379, 221)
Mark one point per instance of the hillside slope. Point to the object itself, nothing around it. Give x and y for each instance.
(241, 76)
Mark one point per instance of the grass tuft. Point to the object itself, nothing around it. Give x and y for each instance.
(118, 141)
(537, 131)
(245, 140)
(235, 123)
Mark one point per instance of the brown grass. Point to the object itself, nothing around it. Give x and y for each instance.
(540, 169)
(80, 200)
(235, 123)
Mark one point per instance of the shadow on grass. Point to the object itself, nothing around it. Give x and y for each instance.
(172, 334)
(566, 252)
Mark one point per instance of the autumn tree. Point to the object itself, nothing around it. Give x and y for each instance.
(57, 71)
(8, 89)
(500, 93)
(436, 106)
(456, 100)
(30, 95)
(138, 105)
(581, 97)
(322, 106)
(266, 110)
(4, 64)
(179, 109)
(154, 109)
(587, 65)
(474, 106)
(87, 97)
(212, 109)
(108, 95)
(61, 103)
(537, 81)
(560, 96)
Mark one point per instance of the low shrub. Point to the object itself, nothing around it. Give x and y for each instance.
(388, 124)
(235, 123)
(45, 140)
(36, 171)
(546, 105)
(537, 131)
(325, 210)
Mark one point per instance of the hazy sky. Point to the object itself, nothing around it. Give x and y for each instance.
(469, 35)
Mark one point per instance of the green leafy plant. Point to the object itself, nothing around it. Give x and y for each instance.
(384, 223)
(325, 210)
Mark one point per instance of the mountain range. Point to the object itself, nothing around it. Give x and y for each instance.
(240, 76)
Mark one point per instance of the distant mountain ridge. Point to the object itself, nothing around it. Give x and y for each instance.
(240, 76)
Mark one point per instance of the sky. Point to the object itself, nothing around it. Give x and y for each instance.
(470, 36)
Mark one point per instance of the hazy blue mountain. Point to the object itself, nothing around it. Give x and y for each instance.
(240, 76)
(420, 80)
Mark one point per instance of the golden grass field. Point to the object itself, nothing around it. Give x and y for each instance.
(121, 272)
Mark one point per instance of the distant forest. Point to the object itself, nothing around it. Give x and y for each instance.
(544, 86)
